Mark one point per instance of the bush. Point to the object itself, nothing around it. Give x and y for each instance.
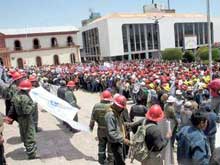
(203, 53)
(172, 54)
(188, 56)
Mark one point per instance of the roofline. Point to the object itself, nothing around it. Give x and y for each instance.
(38, 34)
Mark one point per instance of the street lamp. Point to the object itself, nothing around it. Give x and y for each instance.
(209, 37)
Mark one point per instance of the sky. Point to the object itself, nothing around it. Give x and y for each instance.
(35, 13)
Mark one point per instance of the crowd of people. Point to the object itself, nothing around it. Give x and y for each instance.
(176, 107)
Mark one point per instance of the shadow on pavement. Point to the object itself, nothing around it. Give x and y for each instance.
(17, 154)
(56, 143)
(14, 140)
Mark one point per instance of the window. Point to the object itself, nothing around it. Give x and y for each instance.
(36, 43)
(70, 41)
(54, 42)
(72, 58)
(56, 60)
(20, 63)
(17, 45)
(38, 61)
(125, 38)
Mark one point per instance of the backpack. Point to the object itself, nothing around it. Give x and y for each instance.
(139, 150)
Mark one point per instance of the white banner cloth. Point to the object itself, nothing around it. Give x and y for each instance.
(57, 107)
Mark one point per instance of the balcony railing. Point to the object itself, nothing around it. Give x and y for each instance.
(17, 48)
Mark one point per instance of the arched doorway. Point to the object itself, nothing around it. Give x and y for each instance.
(56, 60)
(17, 45)
(38, 61)
(36, 43)
(1, 61)
(20, 63)
(72, 58)
(54, 42)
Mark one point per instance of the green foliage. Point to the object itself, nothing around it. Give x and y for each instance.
(188, 56)
(203, 54)
(172, 54)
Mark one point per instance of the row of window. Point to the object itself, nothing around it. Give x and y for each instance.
(36, 43)
(56, 61)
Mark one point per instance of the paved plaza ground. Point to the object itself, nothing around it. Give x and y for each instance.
(56, 144)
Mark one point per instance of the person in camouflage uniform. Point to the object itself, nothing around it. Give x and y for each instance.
(98, 116)
(24, 108)
(11, 90)
(34, 82)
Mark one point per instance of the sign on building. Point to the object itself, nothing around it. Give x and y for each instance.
(190, 42)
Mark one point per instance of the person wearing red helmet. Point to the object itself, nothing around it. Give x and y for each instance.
(9, 92)
(116, 129)
(24, 108)
(214, 86)
(98, 116)
(154, 138)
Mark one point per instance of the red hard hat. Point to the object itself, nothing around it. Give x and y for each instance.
(155, 113)
(16, 76)
(32, 78)
(25, 85)
(120, 101)
(11, 72)
(106, 95)
(71, 84)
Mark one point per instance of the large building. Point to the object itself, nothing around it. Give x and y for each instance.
(121, 36)
(39, 46)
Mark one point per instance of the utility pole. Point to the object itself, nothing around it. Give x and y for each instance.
(168, 1)
(152, 1)
(209, 37)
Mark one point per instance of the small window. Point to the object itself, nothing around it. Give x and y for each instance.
(17, 45)
(54, 42)
(36, 43)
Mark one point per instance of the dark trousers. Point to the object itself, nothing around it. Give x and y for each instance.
(117, 150)
(2, 157)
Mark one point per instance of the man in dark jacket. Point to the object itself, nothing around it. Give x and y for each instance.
(116, 129)
(154, 138)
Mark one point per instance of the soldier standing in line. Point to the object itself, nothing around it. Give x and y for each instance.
(24, 109)
(98, 115)
(35, 84)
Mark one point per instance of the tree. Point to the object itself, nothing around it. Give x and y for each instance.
(188, 56)
(172, 54)
(203, 53)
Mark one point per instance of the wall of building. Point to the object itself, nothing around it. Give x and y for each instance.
(45, 41)
(46, 56)
(216, 27)
(104, 34)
